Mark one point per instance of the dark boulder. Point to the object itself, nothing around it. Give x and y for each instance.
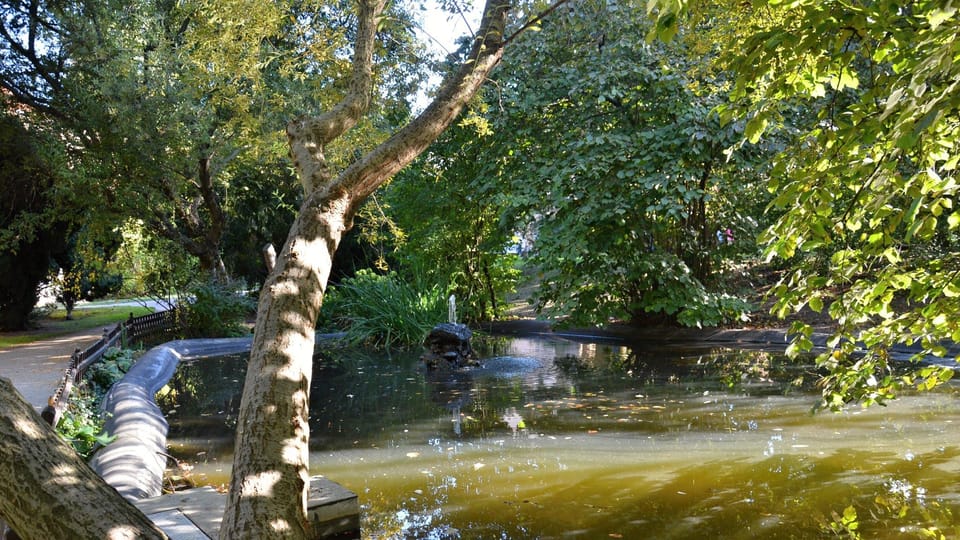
(448, 347)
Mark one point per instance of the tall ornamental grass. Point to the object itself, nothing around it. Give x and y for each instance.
(384, 310)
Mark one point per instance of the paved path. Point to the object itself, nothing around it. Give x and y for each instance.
(36, 368)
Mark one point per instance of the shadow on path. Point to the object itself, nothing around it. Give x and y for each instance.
(35, 369)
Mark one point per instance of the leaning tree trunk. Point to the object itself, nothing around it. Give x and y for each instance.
(46, 489)
(270, 477)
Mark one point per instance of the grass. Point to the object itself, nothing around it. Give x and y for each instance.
(385, 311)
(56, 324)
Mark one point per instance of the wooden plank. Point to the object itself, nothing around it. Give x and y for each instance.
(177, 526)
(333, 509)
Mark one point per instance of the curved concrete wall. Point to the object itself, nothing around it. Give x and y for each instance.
(135, 461)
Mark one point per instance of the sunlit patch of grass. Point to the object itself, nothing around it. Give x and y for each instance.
(56, 324)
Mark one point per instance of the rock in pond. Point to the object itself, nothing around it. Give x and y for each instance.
(448, 347)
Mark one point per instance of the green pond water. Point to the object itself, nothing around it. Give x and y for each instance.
(559, 438)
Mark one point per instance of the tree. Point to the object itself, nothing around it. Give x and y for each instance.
(612, 151)
(447, 208)
(81, 270)
(179, 102)
(872, 184)
(32, 224)
(270, 477)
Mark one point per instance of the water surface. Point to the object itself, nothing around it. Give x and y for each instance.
(558, 438)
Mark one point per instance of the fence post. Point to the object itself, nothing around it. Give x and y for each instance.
(125, 325)
(51, 413)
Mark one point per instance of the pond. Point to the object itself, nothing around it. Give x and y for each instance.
(560, 438)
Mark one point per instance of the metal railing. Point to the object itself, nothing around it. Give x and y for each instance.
(134, 329)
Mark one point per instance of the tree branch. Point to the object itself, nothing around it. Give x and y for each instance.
(363, 177)
(534, 20)
(309, 136)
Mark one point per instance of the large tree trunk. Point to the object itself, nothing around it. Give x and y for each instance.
(269, 485)
(47, 491)
(270, 477)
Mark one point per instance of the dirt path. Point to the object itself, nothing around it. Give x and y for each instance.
(35, 368)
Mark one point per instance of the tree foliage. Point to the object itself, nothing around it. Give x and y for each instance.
(32, 225)
(183, 103)
(446, 210)
(80, 271)
(871, 186)
(611, 149)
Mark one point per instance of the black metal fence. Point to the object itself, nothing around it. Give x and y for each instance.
(134, 329)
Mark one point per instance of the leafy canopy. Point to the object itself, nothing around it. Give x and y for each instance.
(871, 186)
(609, 149)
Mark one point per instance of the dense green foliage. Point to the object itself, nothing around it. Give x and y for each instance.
(609, 157)
(80, 272)
(184, 106)
(111, 368)
(384, 310)
(604, 165)
(82, 424)
(466, 253)
(31, 231)
(217, 310)
(868, 191)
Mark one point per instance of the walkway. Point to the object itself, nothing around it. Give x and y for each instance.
(35, 369)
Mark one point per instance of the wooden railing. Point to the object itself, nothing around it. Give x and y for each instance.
(134, 329)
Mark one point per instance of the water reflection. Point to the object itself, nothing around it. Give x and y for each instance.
(555, 438)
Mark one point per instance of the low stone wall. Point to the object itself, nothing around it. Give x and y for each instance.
(135, 461)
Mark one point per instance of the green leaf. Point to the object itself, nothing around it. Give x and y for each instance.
(938, 16)
(755, 128)
(953, 220)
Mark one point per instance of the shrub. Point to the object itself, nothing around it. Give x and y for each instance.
(383, 310)
(217, 310)
(81, 424)
(674, 292)
(114, 364)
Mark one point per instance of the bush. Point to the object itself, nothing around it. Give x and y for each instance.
(217, 310)
(82, 426)
(383, 310)
(674, 291)
(114, 364)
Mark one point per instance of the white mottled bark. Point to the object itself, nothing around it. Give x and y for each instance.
(48, 491)
(270, 476)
